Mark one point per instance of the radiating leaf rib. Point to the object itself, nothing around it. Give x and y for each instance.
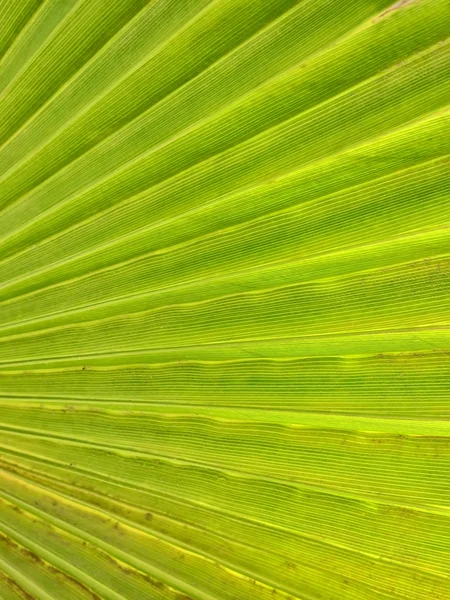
(206, 441)
(38, 204)
(394, 342)
(261, 507)
(160, 591)
(242, 258)
(203, 537)
(278, 537)
(107, 300)
(35, 574)
(85, 556)
(23, 583)
(194, 100)
(146, 31)
(365, 385)
(11, 589)
(388, 154)
(80, 35)
(194, 42)
(300, 139)
(13, 18)
(37, 30)
(232, 524)
(224, 280)
(81, 555)
(85, 584)
(407, 297)
(136, 546)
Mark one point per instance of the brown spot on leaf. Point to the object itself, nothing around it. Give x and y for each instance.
(16, 587)
(393, 8)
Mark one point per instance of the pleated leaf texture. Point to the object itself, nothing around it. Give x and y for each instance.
(224, 300)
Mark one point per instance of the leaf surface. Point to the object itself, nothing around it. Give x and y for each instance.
(224, 291)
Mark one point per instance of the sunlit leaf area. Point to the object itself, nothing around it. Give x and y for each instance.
(224, 300)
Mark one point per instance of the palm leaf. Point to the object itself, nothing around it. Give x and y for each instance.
(225, 280)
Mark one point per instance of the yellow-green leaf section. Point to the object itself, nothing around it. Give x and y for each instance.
(224, 300)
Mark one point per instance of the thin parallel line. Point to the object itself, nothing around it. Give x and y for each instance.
(268, 25)
(72, 530)
(71, 496)
(15, 587)
(109, 408)
(239, 343)
(67, 570)
(233, 473)
(180, 500)
(44, 516)
(81, 68)
(393, 177)
(24, 581)
(428, 510)
(208, 436)
(152, 53)
(416, 56)
(311, 538)
(20, 34)
(222, 302)
(228, 277)
(77, 326)
(46, 42)
(235, 193)
(136, 563)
